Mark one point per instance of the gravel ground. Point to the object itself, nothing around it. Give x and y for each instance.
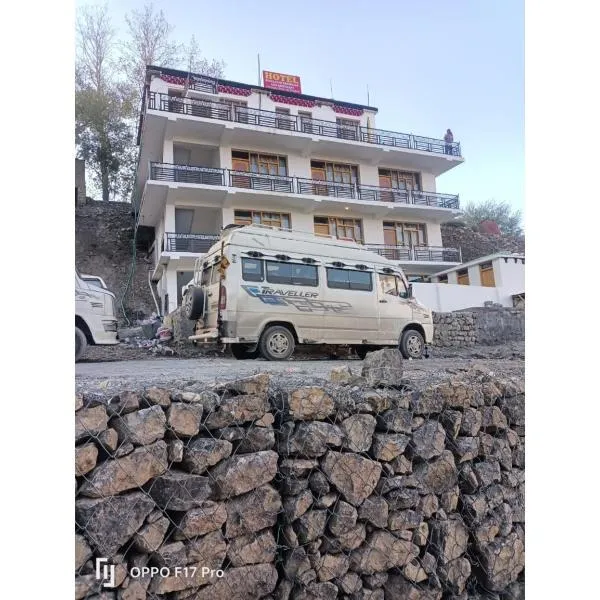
(111, 377)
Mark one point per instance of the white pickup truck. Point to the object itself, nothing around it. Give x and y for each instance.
(95, 314)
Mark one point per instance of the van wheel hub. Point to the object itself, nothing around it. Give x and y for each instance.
(413, 345)
(278, 343)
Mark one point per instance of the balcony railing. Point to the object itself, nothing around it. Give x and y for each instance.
(189, 242)
(297, 185)
(417, 253)
(264, 118)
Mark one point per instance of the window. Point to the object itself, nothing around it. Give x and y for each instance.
(387, 284)
(402, 289)
(215, 276)
(349, 229)
(347, 129)
(205, 275)
(337, 172)
(249, 217)
(252, 269)
(399, 180)
(231, 110)
(349, 280)
(486, 274)
(462, 277)
(404, 234)
(265, 164)
(283, 119)
(292, 274)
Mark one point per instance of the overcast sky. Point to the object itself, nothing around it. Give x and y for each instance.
(429, 65)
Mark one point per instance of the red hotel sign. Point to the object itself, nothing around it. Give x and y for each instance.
(281, 82)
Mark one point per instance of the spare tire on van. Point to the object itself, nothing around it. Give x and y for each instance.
(193, 303)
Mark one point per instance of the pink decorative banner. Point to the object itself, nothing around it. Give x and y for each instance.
(230, 89)
(344, 110)
(294, 101)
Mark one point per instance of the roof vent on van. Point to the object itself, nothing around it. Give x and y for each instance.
(361, 267)
(282, 257)
(338, 264)
(308, 260)
(388, 270)
(254, 254)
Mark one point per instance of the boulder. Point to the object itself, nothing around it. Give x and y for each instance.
(202, 453)
(208, 516)
(439, 475)
(374, 510)
(236, 411)
(158, 396)
(358, 431)
(311, 525)
(310, 403)
(151, 535)
(343, 518)
(251, 549)
(85, 458)
(387, 446)
(141, 427)
(311, 439)
(178, 490)
(428, 440)
(383, 368)
(252, 512)
(184, 419)
(90, 422)
(449, 539)
(382, 551)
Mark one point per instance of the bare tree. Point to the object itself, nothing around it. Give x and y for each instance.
(149, 43)
(196, 63)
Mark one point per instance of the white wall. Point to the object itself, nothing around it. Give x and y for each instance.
(510, 275)
(446, 297)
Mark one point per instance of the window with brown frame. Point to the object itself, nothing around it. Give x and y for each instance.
(404, 234)
(253, 162)
(399, 180)
(462, 277)
(486, 274)
(336, 172)
(347, 129)
(342, 228)
(231, 107)
(257, 217)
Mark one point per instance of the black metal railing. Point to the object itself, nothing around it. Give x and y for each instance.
(265, 118)
(189, 242)
(317, 187)
(384, 194)
(260, 181)
(187, 174)
(417, 253)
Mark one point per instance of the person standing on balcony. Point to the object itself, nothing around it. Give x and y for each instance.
(449, 139)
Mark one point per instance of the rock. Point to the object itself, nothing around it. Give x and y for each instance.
(397, 587)
(350, 540)
(353, 476)
(439, 475)
(78, 401)
(487, 472)
(402, 498)
(486, 444)
(254, 439)
(318, 591)
(331, 566)
(449, 500)
(466, 448)
(257, 385)
(107, 523)
(428, 505)
(358, 430)
(387, 484)
(327, 500)
(426, 402)
(240, 474)
(82, 551)
(493, 419)
(474, 508)
(184, 419)
(341, 375)
(421, 534)
(124, 403)
(207, 399)
(318, 483)
(383, 368)
(90, 422)
(502, 451)
(208, 516)
(175, 451)
(252, 512)
(141, 427)
(401, 465)
(396, 420)
(502, 561)
(208, 550)
(343, 518)
(428, 440)
(471, 422)
(451, 420)
(413, 571)
(178, 490)
(311, 525)
(365, 594)
(374, 401)
(350, 583)
(312, 439)
(449, 538)
(131, 471)
(382, 552)
(374, 510)
(387, 446)
(252, 549)
(202, 453)
(158, 396)
(310, 403)
(404, 519)
(375, 581)
(171, 555)
(513, 408)
(124, 450)
(109, 440)
(134, 589)
(291, 486)
(85, 458)
(296, 506)
(237, 410)
(151, 536)
(84, 584)
(298, 467)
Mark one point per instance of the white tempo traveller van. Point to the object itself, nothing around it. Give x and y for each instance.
(264, 290)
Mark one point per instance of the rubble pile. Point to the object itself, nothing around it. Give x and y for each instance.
(365, 488)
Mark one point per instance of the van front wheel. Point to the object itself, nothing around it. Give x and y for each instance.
(412, 344)
(80, 343)
(277, 343)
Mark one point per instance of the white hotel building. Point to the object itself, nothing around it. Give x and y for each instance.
(216, 152)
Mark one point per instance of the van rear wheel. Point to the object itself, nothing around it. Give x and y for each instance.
(277, 343)
(412, 344)
(80, 344)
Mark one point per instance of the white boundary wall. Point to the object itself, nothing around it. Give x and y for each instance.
(446, 297)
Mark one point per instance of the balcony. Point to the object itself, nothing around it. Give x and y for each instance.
(198, 243)
(418, 253)
(298, 185)
(299, 124)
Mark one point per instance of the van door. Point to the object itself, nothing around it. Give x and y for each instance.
(210, 283)
(394, 310)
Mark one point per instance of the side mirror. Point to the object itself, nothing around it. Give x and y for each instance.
(410, 290)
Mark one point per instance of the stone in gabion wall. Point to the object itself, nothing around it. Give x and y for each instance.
(474, 244)
(358, 490)
(453, 329)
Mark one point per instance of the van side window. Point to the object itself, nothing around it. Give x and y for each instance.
(252, 269)
(215, 276)
(205, 276)
(402, 290)
(388, 285)
(349, 280)
(292, 274)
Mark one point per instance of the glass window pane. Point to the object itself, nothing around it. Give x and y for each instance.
(359, 280)
(252, 269)
(304, 275)
(279, 272)
(388, 285)
(337, 278)
(402, 291)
